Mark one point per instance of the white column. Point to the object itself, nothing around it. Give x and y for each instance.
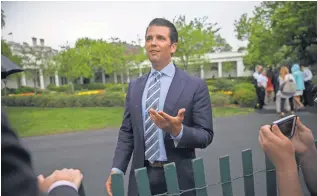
(41, 79)
(115, 78)
(56, 79)
(81, 80)
(23, 79)
(202, 72)
(128, 76)
(103, 77)
(240, 68)
(140, 71)
(220, 69)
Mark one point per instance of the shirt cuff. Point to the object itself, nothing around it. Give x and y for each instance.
(62, 183)
(116, 170)
(179, 135)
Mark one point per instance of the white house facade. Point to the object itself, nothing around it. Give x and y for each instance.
(212, 68)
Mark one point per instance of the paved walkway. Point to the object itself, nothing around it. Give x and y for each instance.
(92, 152)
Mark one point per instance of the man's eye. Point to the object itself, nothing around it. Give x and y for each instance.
(148, 38)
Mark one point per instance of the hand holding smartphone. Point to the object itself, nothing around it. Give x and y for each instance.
(287, 125)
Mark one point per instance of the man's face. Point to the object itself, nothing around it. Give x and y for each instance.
(260, 68)
(158, 44)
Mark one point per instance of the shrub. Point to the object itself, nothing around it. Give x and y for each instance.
(245, 97)
(219, 99)
(91, 86)
(243, 86)
(115, 88)
(224, 84)
(8, 91)
(211, 88)
(59, 101)
(24, 89)
(63, 88)
(210, 82)
(234, 80)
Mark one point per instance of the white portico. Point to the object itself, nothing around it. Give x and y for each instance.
(214, 65)
(214, 69)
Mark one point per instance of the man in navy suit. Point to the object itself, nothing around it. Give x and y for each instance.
(167, 116)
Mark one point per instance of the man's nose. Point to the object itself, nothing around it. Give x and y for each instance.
(153, 41)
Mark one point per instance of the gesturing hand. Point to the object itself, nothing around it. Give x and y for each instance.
(167, 123)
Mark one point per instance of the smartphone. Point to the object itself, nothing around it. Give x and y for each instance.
(287, 125)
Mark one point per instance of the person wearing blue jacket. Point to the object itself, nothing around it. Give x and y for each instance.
(300, 86)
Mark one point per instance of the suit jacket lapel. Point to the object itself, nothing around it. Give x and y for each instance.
(174, 92)
(138, 93)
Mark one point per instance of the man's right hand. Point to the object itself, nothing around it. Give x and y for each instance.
(277, 147)
(71, 175)
(303, 139)
(109, 184)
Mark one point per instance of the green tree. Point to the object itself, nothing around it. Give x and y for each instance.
(277, 31)
(5, 49)
(99, 57)
(72, 63)
(139, 54)
(221, 44)
(196, 38)
(122, 58)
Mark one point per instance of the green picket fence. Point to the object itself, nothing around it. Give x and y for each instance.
(199, 178)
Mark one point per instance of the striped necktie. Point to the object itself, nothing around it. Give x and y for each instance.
(151, 136)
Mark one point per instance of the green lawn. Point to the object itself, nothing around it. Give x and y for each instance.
(42, 121)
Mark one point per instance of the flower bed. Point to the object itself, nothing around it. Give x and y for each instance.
(23, 94)
(95, 92)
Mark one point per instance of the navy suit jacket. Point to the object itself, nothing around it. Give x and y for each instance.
(186, 92)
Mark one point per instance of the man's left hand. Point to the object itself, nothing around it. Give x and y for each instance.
(167, 123)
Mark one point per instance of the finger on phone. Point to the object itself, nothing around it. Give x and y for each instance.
(266, 130)
(300, 125)
(276, 130)
(262, 137)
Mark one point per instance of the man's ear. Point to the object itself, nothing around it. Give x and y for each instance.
(173, 47)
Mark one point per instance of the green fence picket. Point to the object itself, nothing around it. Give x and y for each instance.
(117, 184)
(270, 178)
(171, 178)
(199, 177)
(142, 181)
(225, 176)
(248, 172)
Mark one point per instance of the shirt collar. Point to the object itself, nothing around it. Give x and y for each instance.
(168, 70)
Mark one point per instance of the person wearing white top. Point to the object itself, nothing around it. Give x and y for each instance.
(262, 83)
(256, 74)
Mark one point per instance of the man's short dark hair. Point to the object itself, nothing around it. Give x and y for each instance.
(165, 23)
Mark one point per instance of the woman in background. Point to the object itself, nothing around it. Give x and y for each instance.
(269, 87)
(300, 86)
(285, 76)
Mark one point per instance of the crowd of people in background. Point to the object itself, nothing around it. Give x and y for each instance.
(290, 89)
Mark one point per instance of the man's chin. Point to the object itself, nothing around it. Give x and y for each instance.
(154, 59)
